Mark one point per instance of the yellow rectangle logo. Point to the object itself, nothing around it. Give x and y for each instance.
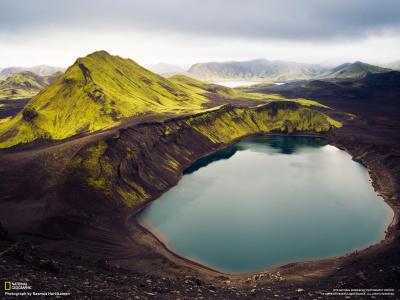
(7, 285)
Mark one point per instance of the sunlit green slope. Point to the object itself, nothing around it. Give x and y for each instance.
(22, 85)
(97, 92)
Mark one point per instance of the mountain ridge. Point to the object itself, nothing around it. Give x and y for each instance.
(41, 70)
(275, 70)
(261, 69)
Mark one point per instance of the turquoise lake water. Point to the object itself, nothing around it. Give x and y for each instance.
(268, 201)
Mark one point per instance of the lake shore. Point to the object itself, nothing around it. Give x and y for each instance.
(295, 145)
(293, 272)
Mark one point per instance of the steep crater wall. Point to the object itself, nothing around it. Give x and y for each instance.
(139, 163)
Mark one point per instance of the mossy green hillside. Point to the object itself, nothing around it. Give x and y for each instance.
(99, 91)
(286, 117)
(98, 166)
(96, 92)
(22, 85)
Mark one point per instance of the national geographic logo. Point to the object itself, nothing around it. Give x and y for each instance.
(13, 285)
(23, 289)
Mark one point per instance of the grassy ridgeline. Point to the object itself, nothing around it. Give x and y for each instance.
(96, 92)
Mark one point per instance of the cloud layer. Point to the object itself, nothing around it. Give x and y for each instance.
(262, 19)
(188, 31)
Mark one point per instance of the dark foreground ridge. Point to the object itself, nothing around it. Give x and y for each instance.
(86, 278)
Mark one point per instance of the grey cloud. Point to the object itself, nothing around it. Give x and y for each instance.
(263, 19)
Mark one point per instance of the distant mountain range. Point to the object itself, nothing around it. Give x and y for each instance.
(26, 84)
(267, 70)
(352, 70)
(257, 69)
(41, 70)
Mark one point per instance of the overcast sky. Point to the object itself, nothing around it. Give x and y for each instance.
(184, 32)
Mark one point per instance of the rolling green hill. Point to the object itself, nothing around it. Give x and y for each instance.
(24, 85)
